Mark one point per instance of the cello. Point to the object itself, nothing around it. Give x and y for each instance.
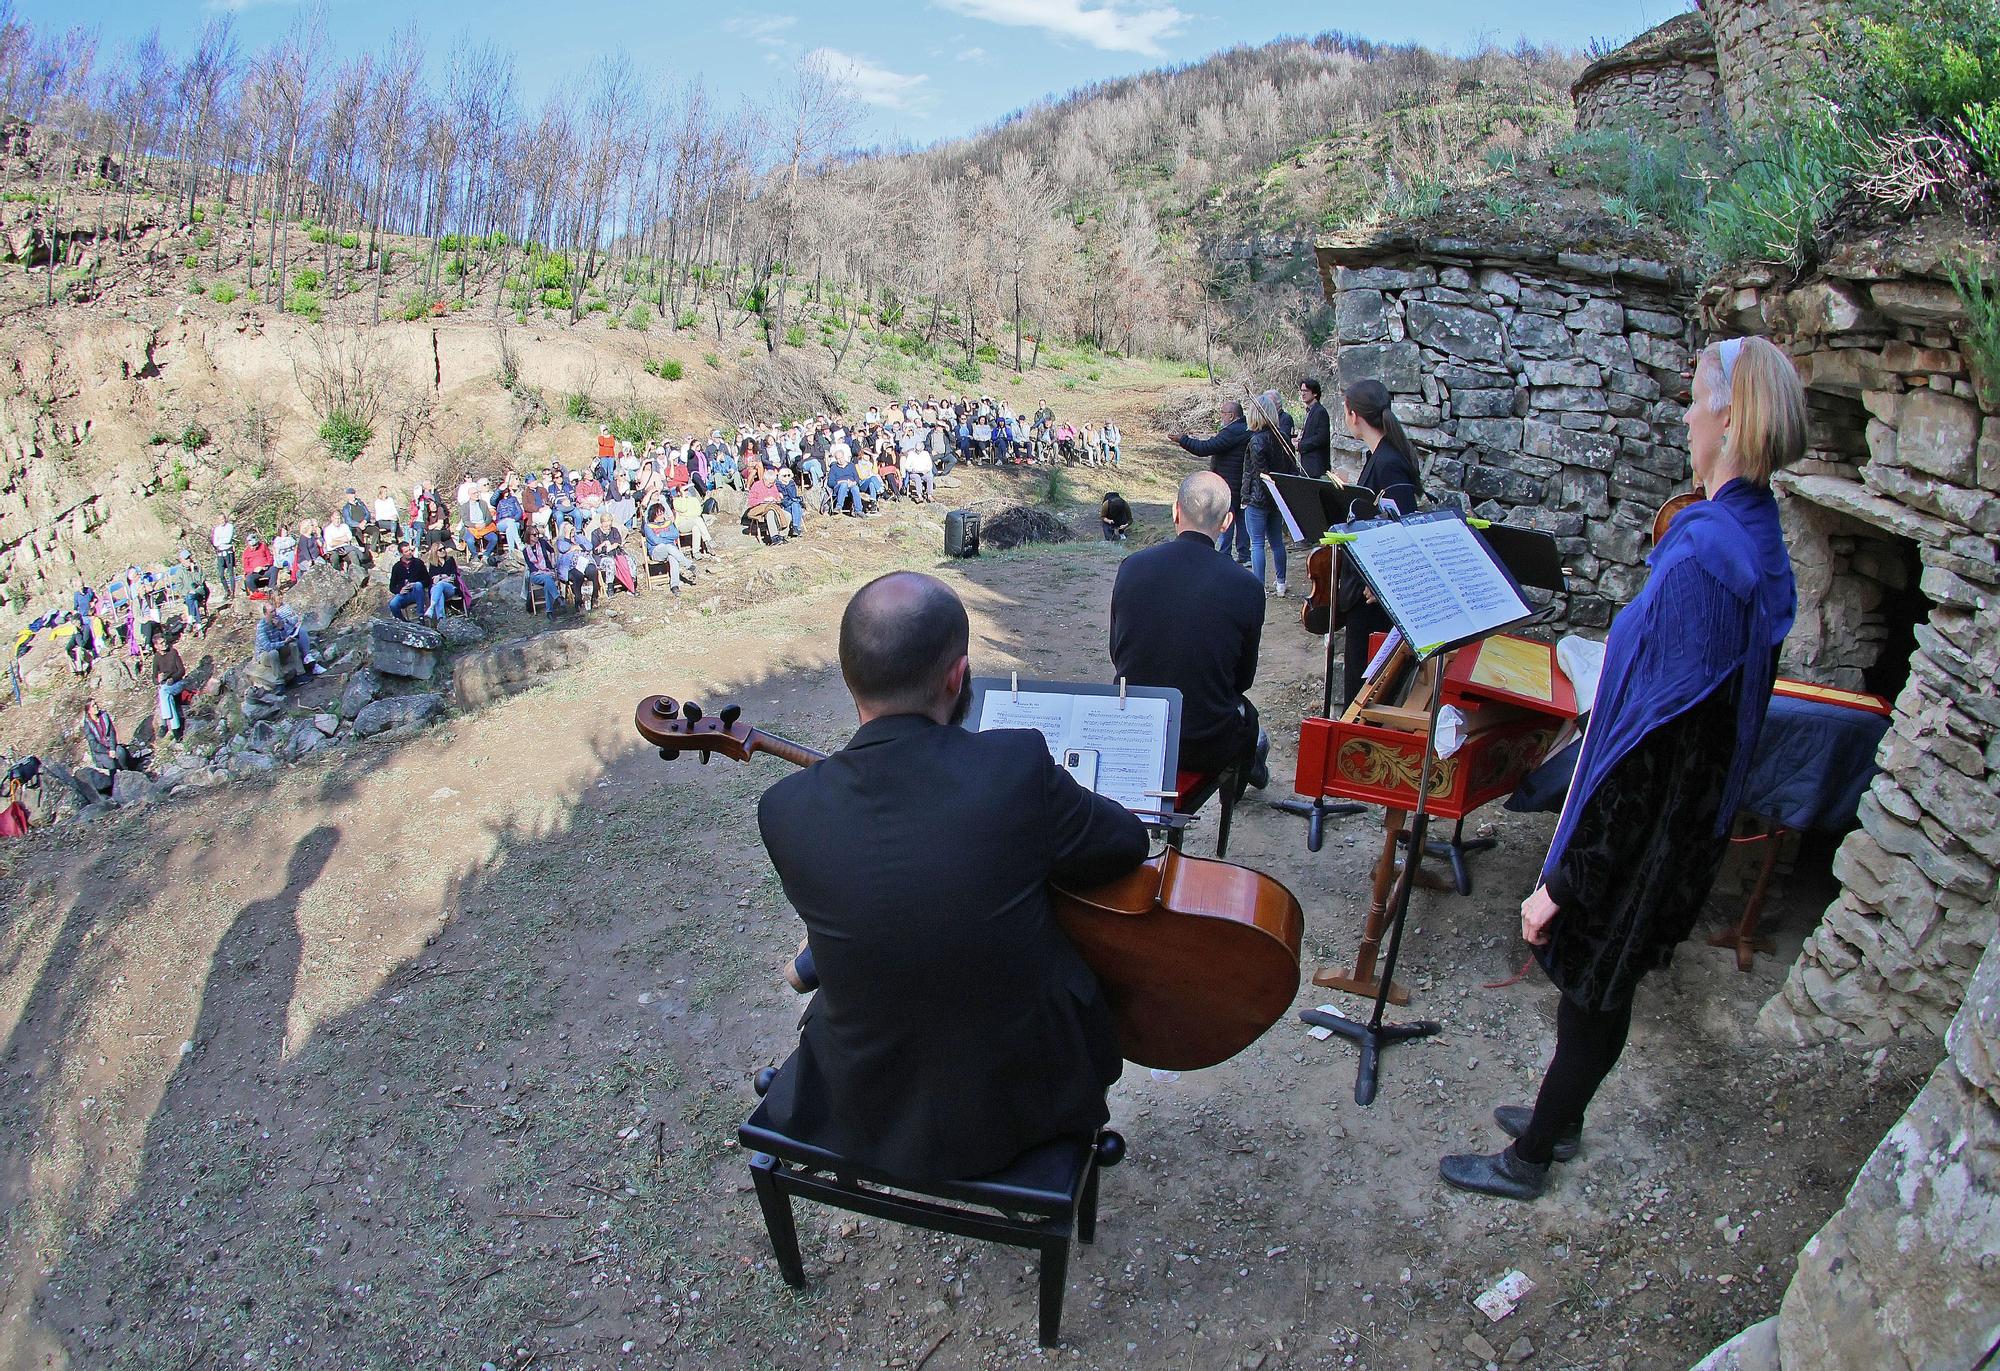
(1196, 957)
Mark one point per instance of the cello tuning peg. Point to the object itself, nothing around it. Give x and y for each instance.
(705, 754)
(730, 714)
(691, 712)
(667, 754)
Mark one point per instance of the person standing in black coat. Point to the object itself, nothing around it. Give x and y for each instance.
(1316, 437)
(955, 1025)
(1182, 616)
(1391, 472)
(1225, 453)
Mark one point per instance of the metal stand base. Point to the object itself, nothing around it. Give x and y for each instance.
(1371, 1038)
(1316, 813)
(1454, 852)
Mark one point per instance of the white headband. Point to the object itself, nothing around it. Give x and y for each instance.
(1731, 349)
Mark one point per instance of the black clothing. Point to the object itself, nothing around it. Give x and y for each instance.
(1115, 513)
(1358, 623)
(168, 666)
(1644, 854)
(408, 570)
(1225, 453)
(1316, 442)
(1266, 452)
(1183, 616)
(955, 1026)
(1390, 474)
(1393, 475)
(1588, 1044)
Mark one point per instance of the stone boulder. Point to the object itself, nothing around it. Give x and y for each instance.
(261, 705)
(131, 788)
(481, 677)
(362, 687)
(321, 593)
(399, 712)
(305, 738)
(460, 632)
(406, 650)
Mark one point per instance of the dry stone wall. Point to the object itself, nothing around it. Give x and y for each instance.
(1877, 340)
(1663, 81)
(1765, 51)
(1546, 388)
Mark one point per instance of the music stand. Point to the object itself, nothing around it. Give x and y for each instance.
(1310, 507)
(1501, 607)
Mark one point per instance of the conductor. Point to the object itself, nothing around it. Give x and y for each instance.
(955, 1026)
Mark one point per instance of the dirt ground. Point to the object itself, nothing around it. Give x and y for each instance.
(430, 1055)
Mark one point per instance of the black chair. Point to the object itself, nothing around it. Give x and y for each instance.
(1042, 1198)
(1195, 790)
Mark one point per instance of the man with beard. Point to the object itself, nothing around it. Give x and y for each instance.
(955, 1026)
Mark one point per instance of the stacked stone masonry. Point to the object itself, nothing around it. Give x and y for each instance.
(1902, 452)
(1765, 51)
(1546, 389)
(1673, 98)
(1663, 81)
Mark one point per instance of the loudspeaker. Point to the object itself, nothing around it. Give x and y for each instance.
(961, 533)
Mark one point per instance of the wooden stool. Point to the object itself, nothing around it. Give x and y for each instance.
(1042, 1198)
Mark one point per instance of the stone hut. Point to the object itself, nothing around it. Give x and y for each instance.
(1663, 81)
(1545, 386)
(1895, 532)
(1765, 50)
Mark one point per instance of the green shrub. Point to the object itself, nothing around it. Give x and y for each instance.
(667, 369)
(964, 369)
(552, 272)
(223, 293)
(204, 239)
(1772, 208)
(712, 360)
(597, 305)
(1979, 289)
(200, 214)
(316, 234)
(795, 336)
(555, 297)
(639, 317)
(456, 266)
(306, 278)
(1659, 176)
(1931, 62)
(988, 353)
(579, 406)
(194, 288)
(687, 319)
(194, 437)
(305, 304)
(350, 241)
(344, 436)
(177, 478)
(637, 425)
(191, 261)
(416, 306)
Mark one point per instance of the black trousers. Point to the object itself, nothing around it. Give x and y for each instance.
(1364, 619)
(1588, 1044)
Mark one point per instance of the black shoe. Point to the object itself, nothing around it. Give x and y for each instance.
(1260, 770)
(1513, 1120)
(1503, 1174)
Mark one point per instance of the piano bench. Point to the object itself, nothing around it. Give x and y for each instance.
(1043, 1198)
(1193, 789)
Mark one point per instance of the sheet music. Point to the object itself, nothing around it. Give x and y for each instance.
(1131, 743)
(1284, 510)
(1436, 580)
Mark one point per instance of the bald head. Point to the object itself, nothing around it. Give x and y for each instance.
(1202, 504)
(901, 639)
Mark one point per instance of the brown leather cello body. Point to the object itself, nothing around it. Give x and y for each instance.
(1196, 957)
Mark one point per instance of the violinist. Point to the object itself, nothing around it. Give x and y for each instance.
(1391, 473)
(955, 1026)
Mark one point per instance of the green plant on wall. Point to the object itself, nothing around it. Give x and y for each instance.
(1979, 289)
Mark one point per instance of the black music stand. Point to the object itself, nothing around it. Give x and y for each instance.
(1534, 560)
(1310, 507)
(1427, 642)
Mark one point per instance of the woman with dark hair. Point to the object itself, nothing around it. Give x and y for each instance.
(1391, 472)
(1680, 703)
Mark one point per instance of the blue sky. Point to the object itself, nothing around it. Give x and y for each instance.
(921, 69)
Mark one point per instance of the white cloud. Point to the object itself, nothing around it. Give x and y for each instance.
(873, 84)
(765, 30)
(1112, 25)
(971, 55)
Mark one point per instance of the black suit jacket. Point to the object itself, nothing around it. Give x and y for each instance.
(1184, 615)
(1316, 442)
(1225, 453)
(955, 1026)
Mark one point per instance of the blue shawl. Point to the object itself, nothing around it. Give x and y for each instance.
(1719, 601)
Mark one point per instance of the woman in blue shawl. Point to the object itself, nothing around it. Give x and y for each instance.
(1687, 677)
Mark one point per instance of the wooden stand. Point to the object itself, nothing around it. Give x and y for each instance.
(1745, 938)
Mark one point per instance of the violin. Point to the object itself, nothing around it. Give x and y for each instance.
(1674, 505)
(1196, 957)
(1316, 613)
